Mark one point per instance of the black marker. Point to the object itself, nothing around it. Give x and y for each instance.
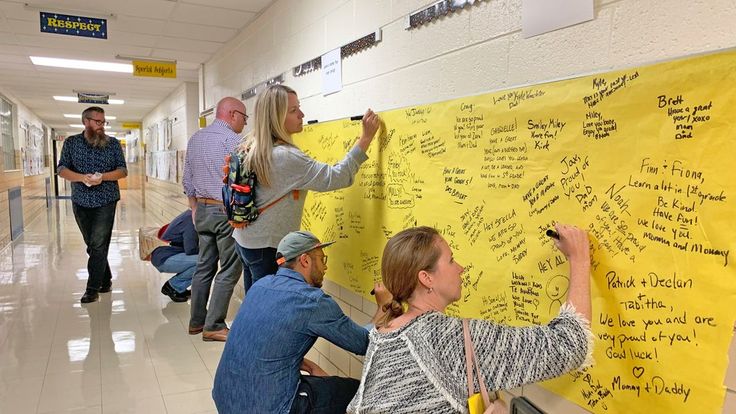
(356, 118)
(314, 121)
(553, 234)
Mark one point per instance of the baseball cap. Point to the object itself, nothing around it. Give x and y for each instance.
(296, 243)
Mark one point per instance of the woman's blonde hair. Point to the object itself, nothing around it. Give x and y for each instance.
(270, 115)
(406, 254)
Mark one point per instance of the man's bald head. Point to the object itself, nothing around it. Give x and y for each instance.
(231, 111)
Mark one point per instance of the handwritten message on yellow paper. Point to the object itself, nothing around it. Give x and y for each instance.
(642, 158)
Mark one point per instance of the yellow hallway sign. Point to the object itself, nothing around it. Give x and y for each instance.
(131, 125)
(154, 69)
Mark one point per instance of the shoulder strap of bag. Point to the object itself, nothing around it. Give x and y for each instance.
(294, 194)
(470, 361)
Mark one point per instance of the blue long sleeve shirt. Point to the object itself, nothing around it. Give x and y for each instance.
(278, 323)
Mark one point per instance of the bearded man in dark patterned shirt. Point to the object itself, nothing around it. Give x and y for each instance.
(93, 162)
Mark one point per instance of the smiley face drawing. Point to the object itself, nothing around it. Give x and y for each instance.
(557, 289)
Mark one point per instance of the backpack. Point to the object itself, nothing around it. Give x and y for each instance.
(239, 191)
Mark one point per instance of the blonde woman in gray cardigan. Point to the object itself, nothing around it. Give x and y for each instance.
(285, 174)
(415, 362)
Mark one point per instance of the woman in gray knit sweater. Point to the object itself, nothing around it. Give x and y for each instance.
(415, 362)
(285, 174)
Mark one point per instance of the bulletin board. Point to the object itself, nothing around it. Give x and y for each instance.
(642, 158)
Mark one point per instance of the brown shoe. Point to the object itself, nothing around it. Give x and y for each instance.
(220, 336)
(196, 330)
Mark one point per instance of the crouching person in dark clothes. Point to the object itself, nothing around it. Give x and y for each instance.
(179, 257)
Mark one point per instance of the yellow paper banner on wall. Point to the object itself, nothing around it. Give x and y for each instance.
(642, 158)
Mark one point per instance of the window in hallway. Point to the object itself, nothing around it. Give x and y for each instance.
(7, 112)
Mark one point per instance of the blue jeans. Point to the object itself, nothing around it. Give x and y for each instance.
(184, 266)
(216, 244)
(323, 395)
(256, 264)
(96, 225)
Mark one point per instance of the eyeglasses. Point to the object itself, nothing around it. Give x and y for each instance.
(324, 259)
(99, 122)
(245, 117)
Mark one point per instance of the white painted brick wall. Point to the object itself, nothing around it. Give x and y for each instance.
(477, 50)
(177, 105)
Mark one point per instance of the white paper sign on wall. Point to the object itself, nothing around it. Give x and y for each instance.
(331, 72)
(542, 16)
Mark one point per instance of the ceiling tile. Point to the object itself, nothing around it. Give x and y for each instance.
(182, 56)
(141, 25)
(196, 31)
(188, 46)
(22, 26)
(144, 8)
(18, 11)
(116, 38)
(13, 50)
(253, 6)
(13, 58)
(189, 13)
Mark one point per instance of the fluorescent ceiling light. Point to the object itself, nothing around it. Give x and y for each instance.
(82, 126)
(107, 117)
(82, 64)
(75, 99)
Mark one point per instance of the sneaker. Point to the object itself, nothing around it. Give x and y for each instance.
(175, 296)
(89, 296)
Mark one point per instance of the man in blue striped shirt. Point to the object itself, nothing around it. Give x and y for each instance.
(202, 182)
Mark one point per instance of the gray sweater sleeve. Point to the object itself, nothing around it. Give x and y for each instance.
(305, 173)
(513, 356)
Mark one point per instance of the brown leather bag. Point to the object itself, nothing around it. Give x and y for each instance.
(149, 238)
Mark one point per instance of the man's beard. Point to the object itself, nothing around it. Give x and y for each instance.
(317, 279)
(98, 140)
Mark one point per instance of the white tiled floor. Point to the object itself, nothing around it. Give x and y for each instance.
(128, 353)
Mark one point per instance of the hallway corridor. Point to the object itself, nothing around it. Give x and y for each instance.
(127, 353)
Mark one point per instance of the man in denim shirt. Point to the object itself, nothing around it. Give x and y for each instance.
(280, 320)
